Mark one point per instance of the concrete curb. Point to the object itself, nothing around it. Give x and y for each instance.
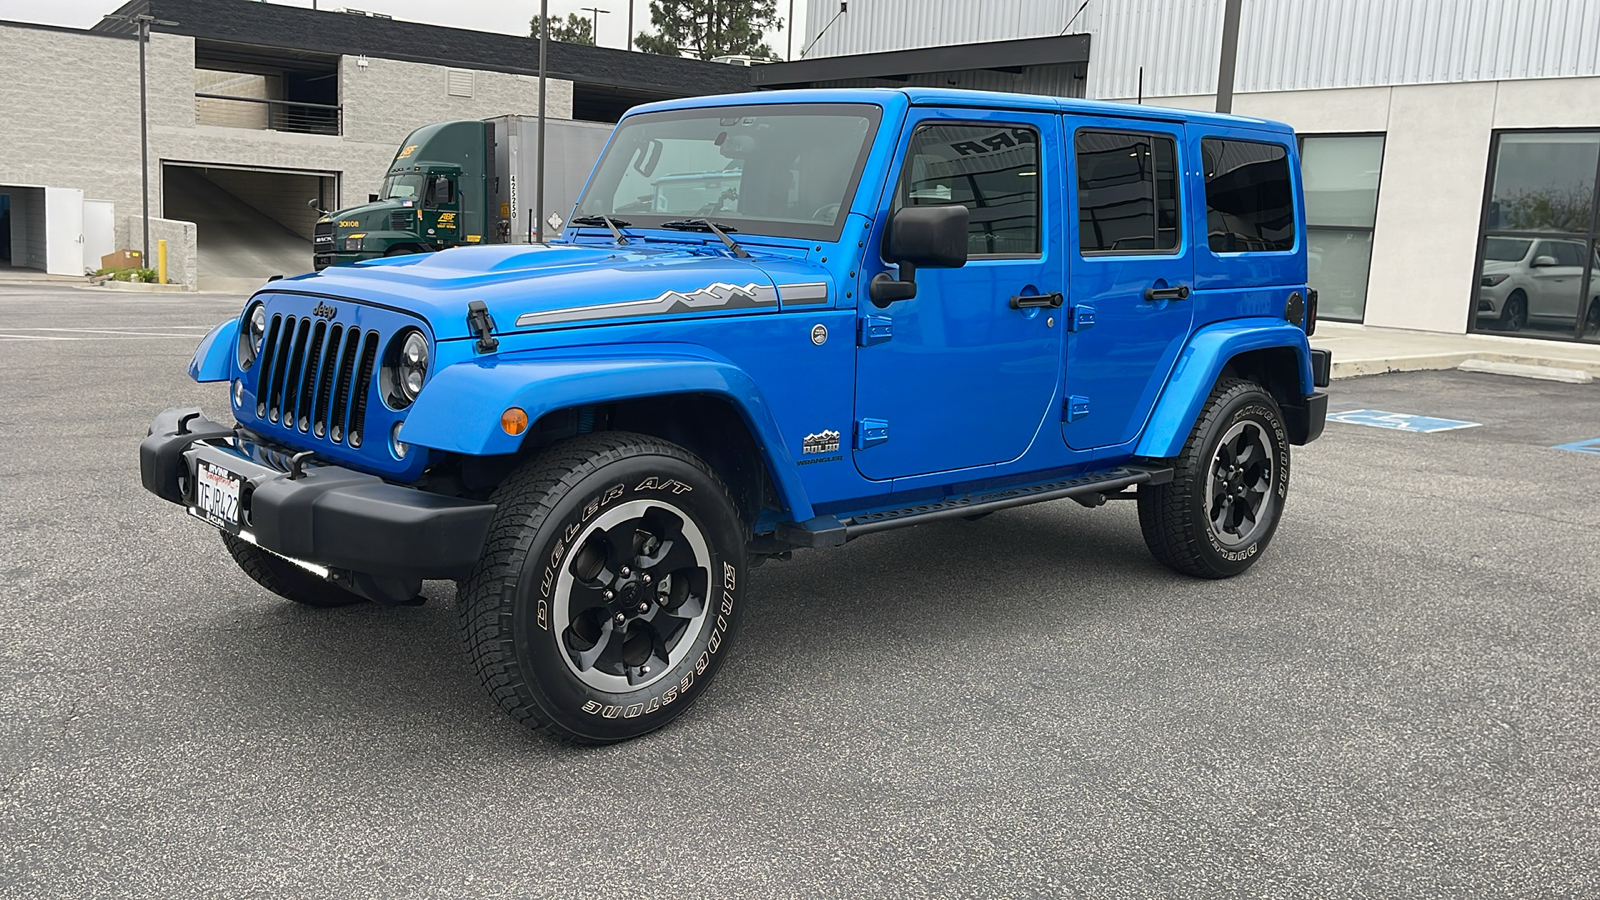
(1518, 370)
(144, 287)
(1433, 362)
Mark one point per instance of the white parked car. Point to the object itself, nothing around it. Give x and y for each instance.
(1536, 280)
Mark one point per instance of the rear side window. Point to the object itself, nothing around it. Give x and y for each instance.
(1127, 192)
(992, 170)
(1249, 197)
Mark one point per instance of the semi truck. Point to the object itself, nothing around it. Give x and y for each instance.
(467, 182)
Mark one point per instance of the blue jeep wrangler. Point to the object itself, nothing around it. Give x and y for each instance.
(776, 321)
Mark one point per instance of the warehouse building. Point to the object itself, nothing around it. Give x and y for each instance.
(254, 109)
(1451, 148)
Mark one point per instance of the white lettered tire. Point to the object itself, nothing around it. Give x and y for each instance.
(608, 592)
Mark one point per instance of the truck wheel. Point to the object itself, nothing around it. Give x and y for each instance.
(1228, 488)
(284, 578)
(607, 593)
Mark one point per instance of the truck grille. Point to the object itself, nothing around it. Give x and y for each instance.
(400, 220)
(322, 236)
(315, 377)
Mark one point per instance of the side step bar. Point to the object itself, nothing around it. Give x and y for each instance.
(828, 531)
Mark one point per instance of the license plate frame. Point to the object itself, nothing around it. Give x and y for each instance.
(217, 495)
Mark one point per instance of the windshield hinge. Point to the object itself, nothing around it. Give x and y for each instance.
(479, 320)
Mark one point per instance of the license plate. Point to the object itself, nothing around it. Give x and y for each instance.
(216, 496)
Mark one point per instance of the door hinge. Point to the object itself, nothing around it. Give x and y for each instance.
(871, 432)
(1076, 407)
(874, 330)
(1082, 318)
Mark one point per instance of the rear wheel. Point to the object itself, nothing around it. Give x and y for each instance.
(284, 578)
(1229, 484)
(1591, 321)
(606, 596)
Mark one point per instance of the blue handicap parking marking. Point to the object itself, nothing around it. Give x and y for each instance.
(1399, 421)
(1591, 446)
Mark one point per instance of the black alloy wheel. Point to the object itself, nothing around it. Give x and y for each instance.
(1514, 314)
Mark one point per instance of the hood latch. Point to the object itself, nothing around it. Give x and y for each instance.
(479, 320)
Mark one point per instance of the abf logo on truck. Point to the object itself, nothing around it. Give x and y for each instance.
(406, 151)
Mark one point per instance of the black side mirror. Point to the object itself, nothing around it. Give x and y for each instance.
(372, 198)
(314, 204)
(934, 237)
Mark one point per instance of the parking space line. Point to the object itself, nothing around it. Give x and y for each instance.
(34, 337)
(1591, 447)
(99, 331)
(1377, 418)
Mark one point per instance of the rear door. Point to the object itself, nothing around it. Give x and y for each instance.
(1131, 276)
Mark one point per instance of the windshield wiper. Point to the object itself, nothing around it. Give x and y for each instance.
(721, 231)
(608, 222)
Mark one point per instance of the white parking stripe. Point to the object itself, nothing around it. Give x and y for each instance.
(33, 337)
(162, 334)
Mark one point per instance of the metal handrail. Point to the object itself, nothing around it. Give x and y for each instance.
(285, 115)
(265, 100)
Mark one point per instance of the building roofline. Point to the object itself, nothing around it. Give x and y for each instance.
(1060, 49)
(64, 29)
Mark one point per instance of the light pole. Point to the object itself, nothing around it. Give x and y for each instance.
(594, 21)
(538, 190)
(143, 21)
(1230, 55)
(629, 45)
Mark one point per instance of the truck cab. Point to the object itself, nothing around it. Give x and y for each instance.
(894, 307)
(432, 197)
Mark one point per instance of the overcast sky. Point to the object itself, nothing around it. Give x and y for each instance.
(509, 16)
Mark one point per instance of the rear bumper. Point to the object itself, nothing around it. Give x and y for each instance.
(349, 522)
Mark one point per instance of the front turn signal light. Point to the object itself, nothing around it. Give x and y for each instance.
(514, 421)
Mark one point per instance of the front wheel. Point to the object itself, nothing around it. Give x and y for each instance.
(607, 594)
(1229, 485)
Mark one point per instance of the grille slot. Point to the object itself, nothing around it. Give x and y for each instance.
(400, 220)
(315, 377)
(363, 382)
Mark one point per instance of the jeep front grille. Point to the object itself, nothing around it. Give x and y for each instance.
(315, 377)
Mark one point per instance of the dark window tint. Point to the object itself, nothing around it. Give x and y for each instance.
(1249, 198)
(1127, 192)
(993, 170)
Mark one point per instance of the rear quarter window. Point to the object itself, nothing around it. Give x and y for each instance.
(1249, 196)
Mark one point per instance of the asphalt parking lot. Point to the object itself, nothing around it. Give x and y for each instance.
(1400, 700)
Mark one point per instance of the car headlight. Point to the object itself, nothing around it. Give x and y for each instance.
(1493, 280)
(252, 335)
(352, 243)
(406, 368)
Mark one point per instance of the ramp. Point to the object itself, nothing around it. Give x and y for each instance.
(240, 247)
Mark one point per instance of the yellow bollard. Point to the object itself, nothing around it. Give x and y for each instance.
(161, 262)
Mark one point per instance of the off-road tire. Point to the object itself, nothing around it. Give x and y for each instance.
(1176, 517)
(284, 578)
(552, 511)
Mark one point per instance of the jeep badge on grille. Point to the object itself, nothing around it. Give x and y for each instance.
(325, 311)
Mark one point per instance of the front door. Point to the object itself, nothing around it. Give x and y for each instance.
(441, 211)
(963, 374)
(1131, 275)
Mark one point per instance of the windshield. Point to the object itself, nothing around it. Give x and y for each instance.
(788, 170)
(401, 187)
(1505, 249)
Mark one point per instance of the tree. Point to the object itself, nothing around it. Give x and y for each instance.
(576, 30)
(709, 28)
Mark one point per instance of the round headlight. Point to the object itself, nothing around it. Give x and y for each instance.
(408, 369)
(251, 335)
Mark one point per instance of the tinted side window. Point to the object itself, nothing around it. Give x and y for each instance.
(992, 170)
(1249, 197)
(1127, 192)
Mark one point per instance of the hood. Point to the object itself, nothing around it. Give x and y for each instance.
(371, 216)
(529, 287)
(1500, 266)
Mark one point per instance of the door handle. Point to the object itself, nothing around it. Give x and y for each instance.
(1181, 292)
(1025, 301)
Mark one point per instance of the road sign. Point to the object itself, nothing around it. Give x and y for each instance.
(1399, 421)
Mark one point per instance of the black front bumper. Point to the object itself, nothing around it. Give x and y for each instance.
(373, 536)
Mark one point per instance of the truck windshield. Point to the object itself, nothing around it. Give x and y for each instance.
(402, 187)
(788, 170)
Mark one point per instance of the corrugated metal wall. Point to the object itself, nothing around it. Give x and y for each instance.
(1284, 44)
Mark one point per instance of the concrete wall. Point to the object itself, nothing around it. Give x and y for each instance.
(183, 253)
(71, 102)
(1435, 163)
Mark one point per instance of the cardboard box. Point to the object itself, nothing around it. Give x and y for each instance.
(122, 259)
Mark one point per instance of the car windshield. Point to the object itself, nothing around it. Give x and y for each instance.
(1505, 249)
(788, 170)
(401, 187)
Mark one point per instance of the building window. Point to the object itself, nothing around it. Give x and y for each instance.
(1539, 256)
(1249, 197)
(992, 170)
(1127, 193)
(1340, 175)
